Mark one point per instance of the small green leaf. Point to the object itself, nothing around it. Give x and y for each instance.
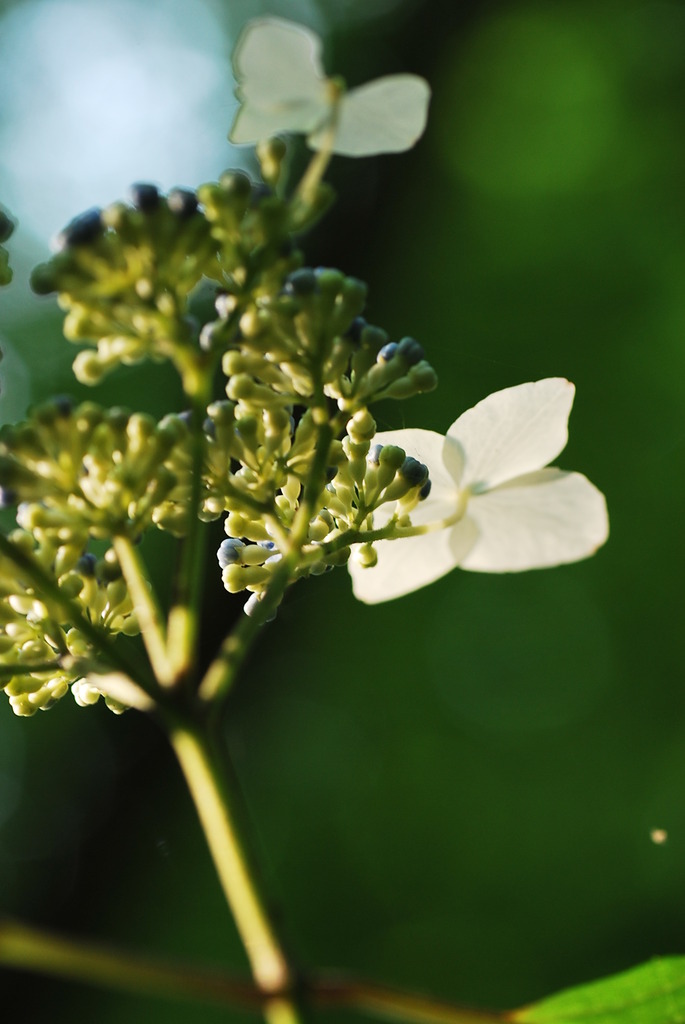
(653, 993)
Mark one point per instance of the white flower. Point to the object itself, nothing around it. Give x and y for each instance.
(504, 511)
(282, 88)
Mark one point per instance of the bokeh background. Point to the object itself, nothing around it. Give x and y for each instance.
(454, 792)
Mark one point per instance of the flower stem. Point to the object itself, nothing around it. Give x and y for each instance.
(184, 615)
(393, 532)
(20, 669)
(221, 674)
(216, 808)
(147, 609)
(306, 190)
(392, 1004)
(31, 949)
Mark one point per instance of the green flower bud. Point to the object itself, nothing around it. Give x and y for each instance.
(366, 556)
(361, 427)
(271, 154)
(238, 577)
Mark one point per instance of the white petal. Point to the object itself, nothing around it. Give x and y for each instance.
(386, 116)
(254, 123)
(409, 563)
(511, 432)
(281, 83)
(539, 520)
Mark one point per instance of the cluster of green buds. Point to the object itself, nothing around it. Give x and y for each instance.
(284, 450)
(51, 602)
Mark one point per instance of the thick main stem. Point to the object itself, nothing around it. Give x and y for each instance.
(215, 806)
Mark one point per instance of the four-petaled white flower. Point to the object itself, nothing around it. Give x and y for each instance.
(282, 88)
(501, 509)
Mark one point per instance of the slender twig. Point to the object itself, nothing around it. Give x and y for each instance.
(184, 614)
(146, 607)
(316, 169)
(28, 667)
(27, 948)
(392, 1004)
(222, 673)
(32, 949)
(216, 808)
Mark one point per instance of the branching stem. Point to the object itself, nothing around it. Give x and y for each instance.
(32, 949)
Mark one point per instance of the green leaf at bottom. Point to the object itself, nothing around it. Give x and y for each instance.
(653, 993)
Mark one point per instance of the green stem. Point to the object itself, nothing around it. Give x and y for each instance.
(222, 673)
(147, 609)
(392, 532)
(216, 808)
(31, 949)
(314, 484)
(306, 190)
(184, 616)
(28, 667)
(391, 1004)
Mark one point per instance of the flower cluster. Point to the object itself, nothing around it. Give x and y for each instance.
(88, 472)
(37, 633)
(278, 437)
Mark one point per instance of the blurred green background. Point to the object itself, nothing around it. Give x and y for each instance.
(455, 791)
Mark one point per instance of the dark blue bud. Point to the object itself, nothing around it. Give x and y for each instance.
(354, 331)
(259, 192)
(81, 230)
(413, 471)
(229, 552)
(6, 226)
(145, 197)
(374, 456)
(425, 490)
(209, 427)
(86, 564)
(410, 350)
(387, 353)
(300, 282)
(8, 497)
(182, 202)
(186, 417)
(267, 544)
(63, 405)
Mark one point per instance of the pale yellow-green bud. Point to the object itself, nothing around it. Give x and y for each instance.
(361, 427)
(366, 555)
